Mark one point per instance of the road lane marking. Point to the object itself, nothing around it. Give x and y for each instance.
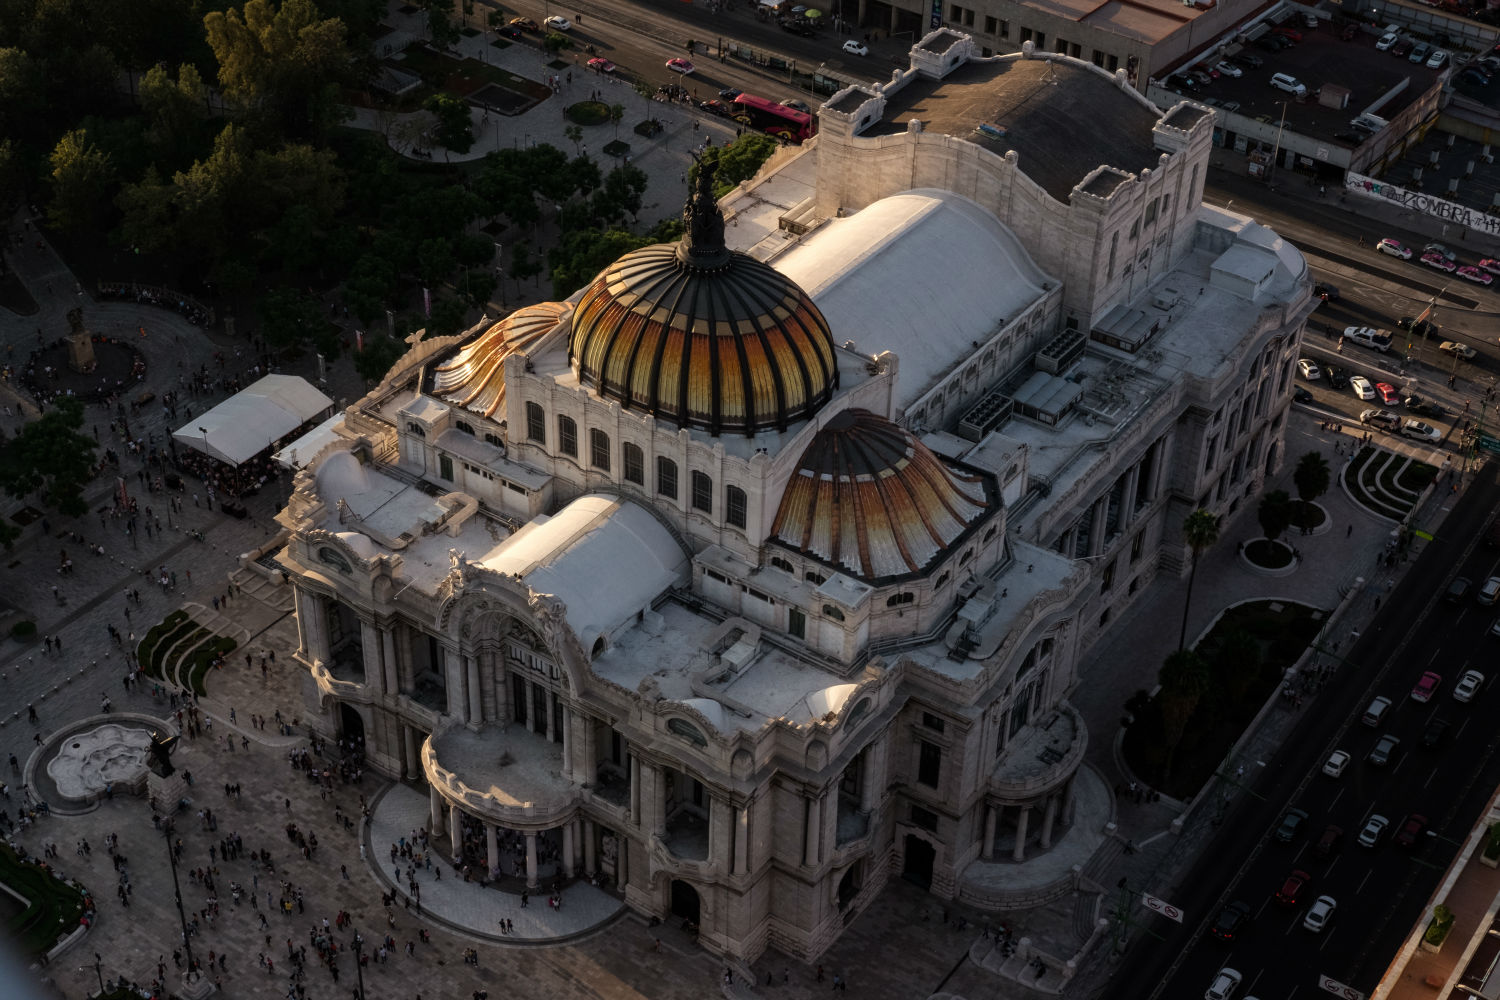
(1363, 881)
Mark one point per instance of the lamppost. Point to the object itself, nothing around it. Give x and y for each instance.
(187, 942)
(359, 965)
(99, 970)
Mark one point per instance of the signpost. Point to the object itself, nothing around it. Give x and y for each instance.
(1338, 989)
(1161, 906)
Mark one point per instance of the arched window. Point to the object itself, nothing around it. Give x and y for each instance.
(412, 427)
(598, 449)
(735, 505)
(666, 477)
(635, 464)
(814, 578)
(536, 423)
(567, 436)
(687, 731)
(703, 493)
(941, 580)
(896, 600)
(464, 426)
(782, 564)
(495, 440)
(991, 533)
(829, 611)
(966, 557)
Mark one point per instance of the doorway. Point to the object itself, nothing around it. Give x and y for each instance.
(920, 857)
(352, 725)
(685, 901)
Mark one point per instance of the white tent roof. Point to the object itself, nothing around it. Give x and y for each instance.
(249, 421)
(305, 448)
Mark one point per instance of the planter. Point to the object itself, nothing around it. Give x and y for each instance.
(1322, 522)
(1276, 558)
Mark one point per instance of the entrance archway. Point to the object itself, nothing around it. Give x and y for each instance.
(352, 725)
(920, 857)
(851, 883)
(685, 901)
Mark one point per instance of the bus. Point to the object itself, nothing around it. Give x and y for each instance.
(775, 119)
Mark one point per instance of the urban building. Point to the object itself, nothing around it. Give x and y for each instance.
(756, 573)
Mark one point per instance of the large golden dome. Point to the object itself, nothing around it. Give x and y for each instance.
(706, 337)
(874, 501)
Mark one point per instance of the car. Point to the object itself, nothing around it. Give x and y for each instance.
(856, 48)
(1439, 248)
(1468, 686)
(1426, 686)
(1310, 369)
(1476, 75)
(1290, 824)
(1457, 590)
(1249, 60)
(1225, 983)
(1272, 43)
(1335, 764)
(1387, 393)
(1380, 754)
(524, 24)
(1458, 349)
(1301, 395)
(1490, 264)
(1227, 68)
(1231, 919)
(1401, 48)
(680, 66)
(558, 23)
(1471, 273)
(1419, 53)
(1364, 390)
(1288, 83)
(1437, 59)
(796, 105)
(730, 93)
(1384, 419)
(1182, 82)
(1328, 845)
(1336, 377)
(1420, 407)
(1435, 733)
(1438, 262)
(1374, 829)
(717, 107)
(1319, 914)
(1230, 106)
(1410, 830)
(1489, 592)
(1418, 327)
(1294, 884)
(1325, 291)
(1387, 40)
(601, 65)
(1354, 137)
(1288, 32)
(1394, 247)
(1419, 431)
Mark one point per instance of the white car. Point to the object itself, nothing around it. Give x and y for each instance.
(1373, 831)
(1387, 40)
(1319, 914)
(1437, 60)
(1337, 761)
(1310, 369)
(1421, 432)
(1468, 686)
(855, 48)
(558, 23)
(1227, 68)
(1362, 387)
(1224, 984)
(1394, 248)
(1457, 349)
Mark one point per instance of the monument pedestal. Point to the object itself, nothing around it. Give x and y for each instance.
(165, 793)
(195, 987)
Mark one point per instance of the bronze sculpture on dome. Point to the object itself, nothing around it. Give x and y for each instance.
(702, 222)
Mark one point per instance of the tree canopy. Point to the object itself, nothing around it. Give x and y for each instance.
(50, 456)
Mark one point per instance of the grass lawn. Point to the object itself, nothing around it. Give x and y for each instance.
(53, 907)
(1273, 634)
(146, 649)
(201, 661)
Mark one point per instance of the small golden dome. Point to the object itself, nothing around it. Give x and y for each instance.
(703, 336)
(872, 500)
(474, 376)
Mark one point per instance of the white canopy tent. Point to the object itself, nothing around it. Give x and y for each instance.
(248, 422)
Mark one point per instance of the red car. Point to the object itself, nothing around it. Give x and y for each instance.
(1285, 31)
(1292, 887)
(1387, 394)
(601, 65)
(1436, 260)
(1412, 828)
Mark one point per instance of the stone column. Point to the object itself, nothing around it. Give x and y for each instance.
(435, 808)
(622, 861)
(567, 854)
(388, 662)
(872, 778)
(741, 840)
(1019, 854)
(1048, 818)
(453, 680)
(991, 815)
(535, 724)
(635, 790)
(456, 831)
(656, 798)
(590, 764)
(1127, 502)
(589, 860)
(369, 641)
(1097, 516)
(413, 761)
(530, 860)
(1069, 798)
(476, 710)
(300, 600)
(502, 690)
(491, 849)
(720, 834)
(551, 714)
(812, 830)
(567, 735)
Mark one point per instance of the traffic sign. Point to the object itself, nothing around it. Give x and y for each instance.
(1489, 443)
(1338, 989)
(1163, 907)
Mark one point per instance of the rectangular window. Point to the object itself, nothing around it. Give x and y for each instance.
(536, 424)
(1041, 40)
(666, 477)
(991, 25)
(1136, 545)
(1004, 29)
(796, 623)
(932, 722)
(703, 493)
(567, 436)
(1112, 63)
(955, 13)
(598, 449)
(924, 819)
(445, 468)
(734, 507)
(929, 763)
(1025, 35)
(635, 464)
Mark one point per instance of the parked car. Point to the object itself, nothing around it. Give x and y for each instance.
(796, 105)
(1411, 828)
(1290, 824)
(1373, 830)
(1328, 845)
(1394, 247)
(856, 48)
(1288, 32)
(1380, 753)
(1419, 53)
(524, 23)
(1182, 82)
(1419, 431)
(1335, 764)
(717, 107)
(1489, 592)
(1383, 419)
(682, 66)
(1231, 919)
(1468, 686)
(1401, 48)
(1319, 914)
(1364, 390)
(1491, 265)
(1386, 41)
(1457, 590)
(1227, 68)
(1310, 369)
(1419, 407)
(1249, 60)
(1292, 887)
(1438, 262)
(1426, 686)
(1477, 275)
(1437, 59)
(558, 23)
(1301, 395)
(1457, 349)
(1349, 31)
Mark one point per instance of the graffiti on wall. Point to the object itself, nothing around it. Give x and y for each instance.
(1438, 208)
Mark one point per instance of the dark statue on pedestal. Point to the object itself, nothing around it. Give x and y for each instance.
(160, 761)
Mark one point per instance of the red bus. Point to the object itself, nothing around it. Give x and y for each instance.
(772, 118)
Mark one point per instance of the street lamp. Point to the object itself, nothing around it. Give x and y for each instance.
(99, 970)
(187, 941)
(359, 965)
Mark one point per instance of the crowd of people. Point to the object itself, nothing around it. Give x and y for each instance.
(47, 383)
(152, 295)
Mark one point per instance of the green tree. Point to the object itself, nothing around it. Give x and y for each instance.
(435, 262)
(441, 28)
(174, 112)
(1184, 680)
(381, 352)
(12, 176)
(148, 219)
(1200, 530)
(574, 134)
(556, 41)
(524, 264)
(50, 454)
(292, 317)
(452, 126)
(616, 115)
(1274, 513)
(284, 63)
(582, 254)
(82, 179)
(738, 161)
(1312, 478)
(23, 97)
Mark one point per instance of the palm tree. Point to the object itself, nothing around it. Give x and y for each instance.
(1312, 479)
(1184, 681)
(1200, 530)
(1274, 513)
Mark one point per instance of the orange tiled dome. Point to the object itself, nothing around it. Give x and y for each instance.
(873, 500)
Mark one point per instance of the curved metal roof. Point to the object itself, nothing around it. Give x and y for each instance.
(474, 377)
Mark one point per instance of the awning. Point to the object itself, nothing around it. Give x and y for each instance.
(250, 421)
